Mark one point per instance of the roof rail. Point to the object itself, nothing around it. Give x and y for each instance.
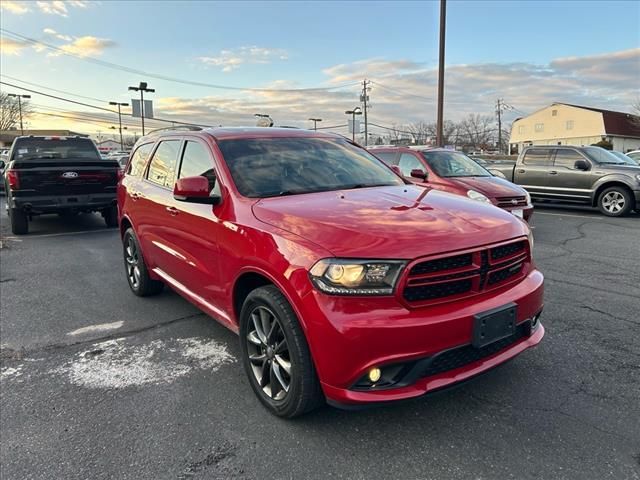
(191, 128)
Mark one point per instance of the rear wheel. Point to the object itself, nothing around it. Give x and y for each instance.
(19, 221)
(276, 356)
(110, 216)
(615, 202)
(138, 277)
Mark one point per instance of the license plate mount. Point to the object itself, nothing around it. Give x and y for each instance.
(494, 325)
(518, 213)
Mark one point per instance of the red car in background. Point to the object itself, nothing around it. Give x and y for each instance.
(345, 282)
(454, 172)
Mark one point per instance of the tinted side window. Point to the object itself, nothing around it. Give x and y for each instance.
(409, 162)
(537, 156)
(139, 159)
(387, 157)
(567, 158)
(196, 160)
(162, 169)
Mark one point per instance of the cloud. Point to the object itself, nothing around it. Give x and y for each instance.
(230, 60)
(18, 8)
(83, 46)
(9, 46)
(59, 7)
(59, 36)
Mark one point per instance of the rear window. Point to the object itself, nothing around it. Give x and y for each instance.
(55, 148)
(537, 156)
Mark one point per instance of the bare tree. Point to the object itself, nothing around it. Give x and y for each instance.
(10, 111)
(395, 133)
(635, 110)
(477, 131)
(420, 131)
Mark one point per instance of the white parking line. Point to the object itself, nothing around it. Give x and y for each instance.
(63, 234)
(97, 328)
(595, 217)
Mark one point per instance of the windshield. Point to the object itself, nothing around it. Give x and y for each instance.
(624, 158)
(600, 155)
(454, 164)
(287, 166)
(54, 148)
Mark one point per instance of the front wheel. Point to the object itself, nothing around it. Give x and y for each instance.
(615, 202)
(276, 356)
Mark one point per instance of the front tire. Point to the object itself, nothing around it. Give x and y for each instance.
(19, 221)
(140, 282)
(276, 356)
(615, 202)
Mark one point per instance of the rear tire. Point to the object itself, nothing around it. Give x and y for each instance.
(111, 216)
(615, 202)
(278, 363)
(140, 282)
(19, 221)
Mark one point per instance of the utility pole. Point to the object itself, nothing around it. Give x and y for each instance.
(439, 125)
(19, 97)
(364, 98)
(120, 120)
(315, 122)
(500, 107)
(142, 88)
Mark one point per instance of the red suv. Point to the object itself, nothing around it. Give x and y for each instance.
(345, 282)
(454, 172)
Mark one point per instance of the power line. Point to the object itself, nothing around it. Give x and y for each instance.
(400, 92)
(333, 126)
(52, 89)
(124, 68)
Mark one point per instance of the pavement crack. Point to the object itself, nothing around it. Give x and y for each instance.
(607, 314)
(12, 354)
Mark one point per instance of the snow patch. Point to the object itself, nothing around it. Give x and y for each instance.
(97, 328)
(10, 372)
(116, 364)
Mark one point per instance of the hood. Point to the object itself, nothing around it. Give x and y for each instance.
(491, 187)
(625, 169)
(402, 222)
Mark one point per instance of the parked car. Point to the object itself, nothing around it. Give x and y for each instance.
(61, 175)
(584, 175)
(344, 281)
(635, 155)
(624, 158)
(2, 167)
(488, 166)
(454, 172)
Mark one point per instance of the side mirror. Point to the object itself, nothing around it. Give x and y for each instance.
(419, 173)
(194, 190)
(581, 165)
(1, 164)
(396, 169)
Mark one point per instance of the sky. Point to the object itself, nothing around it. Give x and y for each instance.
(295, 59)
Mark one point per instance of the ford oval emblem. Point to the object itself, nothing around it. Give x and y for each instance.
(69, 174)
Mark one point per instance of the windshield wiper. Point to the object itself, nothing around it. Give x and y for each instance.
(366, 185)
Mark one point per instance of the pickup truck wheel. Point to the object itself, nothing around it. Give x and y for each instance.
(138, 277)
(110, 216)
(276, 356)
(19, 221)
(615, 202)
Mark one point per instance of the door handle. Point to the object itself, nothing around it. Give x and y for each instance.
(521, 171)
(173, 211)
(553, 172)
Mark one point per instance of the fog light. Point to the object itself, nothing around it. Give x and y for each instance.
(374, 374)
(534, 321)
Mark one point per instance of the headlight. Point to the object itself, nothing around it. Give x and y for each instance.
(473, 195)
(356, 277)
(531, 242)
(638, 178)
(527, 195)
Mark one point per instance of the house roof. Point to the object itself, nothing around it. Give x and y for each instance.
(615, 123)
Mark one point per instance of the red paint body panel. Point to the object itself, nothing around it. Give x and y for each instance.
(491, 187)
(202, 250)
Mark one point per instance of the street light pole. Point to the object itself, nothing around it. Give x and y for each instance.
(353, 113)
(315, 122)
(142, 88)
(439, 124)
(19, 97)
(120, 120)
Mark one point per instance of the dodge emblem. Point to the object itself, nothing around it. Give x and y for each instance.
(69, 174)
(514, 201)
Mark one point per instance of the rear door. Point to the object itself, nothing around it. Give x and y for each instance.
(533, 172)
(155, 203)
(567, 183)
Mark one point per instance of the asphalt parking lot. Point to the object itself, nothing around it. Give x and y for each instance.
(98, 383)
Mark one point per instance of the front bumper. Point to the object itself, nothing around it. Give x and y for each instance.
(58, 203)
(348, 336)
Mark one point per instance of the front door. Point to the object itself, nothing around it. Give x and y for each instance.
(567, 182)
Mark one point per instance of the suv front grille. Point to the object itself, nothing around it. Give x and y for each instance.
(457, 276)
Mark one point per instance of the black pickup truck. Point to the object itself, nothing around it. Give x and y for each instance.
(587, 175)
(63, 175)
